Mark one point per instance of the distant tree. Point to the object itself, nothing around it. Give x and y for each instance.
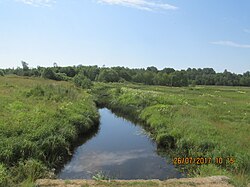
(69, 71)
(247, 74)
(55, 65)
(34, 72)
(123, 73)
(179, 78)
(82, 81)
(245, 79)
(108, 75)
(18, 71)
(162, 79)
(48, 73)
(148, 77)
(25, 66)
(153, 69)
(92, 72)
(62, 77)
(168, 70)
(138, 77)
(1, 72)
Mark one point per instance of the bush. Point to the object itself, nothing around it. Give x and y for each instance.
(62, 77)
(48, 73)
(82, 81)
(1, 73)
(30, 169)
(108, 75)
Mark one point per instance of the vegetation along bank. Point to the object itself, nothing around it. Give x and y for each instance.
(191, 122)
(39, 124)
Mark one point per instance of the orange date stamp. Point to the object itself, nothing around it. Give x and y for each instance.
(202, 160)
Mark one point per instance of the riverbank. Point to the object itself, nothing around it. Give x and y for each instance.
(193, 122)
(40, 122)
(215, 181)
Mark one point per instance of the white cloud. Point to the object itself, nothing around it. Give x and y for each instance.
(247, 31)
(148, 5)
(93, 160)
(231, 44)
(38, 2)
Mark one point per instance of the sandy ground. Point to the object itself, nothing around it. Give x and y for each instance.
(215, 181)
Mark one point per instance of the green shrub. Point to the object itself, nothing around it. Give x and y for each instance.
(1, 73)
(30, 169)
(82, 81)
(62, 77)
(48, 73)
(108, 75)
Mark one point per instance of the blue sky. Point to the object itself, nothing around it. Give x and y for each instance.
(130, 33)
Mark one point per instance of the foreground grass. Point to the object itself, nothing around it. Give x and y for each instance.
(40, 121)
(210, 122)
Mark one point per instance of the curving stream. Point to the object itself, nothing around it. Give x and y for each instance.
(121, 150)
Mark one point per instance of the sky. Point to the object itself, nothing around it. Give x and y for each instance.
(129, 33)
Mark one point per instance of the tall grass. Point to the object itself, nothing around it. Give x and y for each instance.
(40, 121)
(190, 122)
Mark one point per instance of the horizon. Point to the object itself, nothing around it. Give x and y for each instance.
(145, 68)
(133, 34)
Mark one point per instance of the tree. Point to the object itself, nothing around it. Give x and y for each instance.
(25, 66)
(152, 68)
(91, 72)
(82, 81)
(48, 73)
(168, 70)
(69, 71)
(1, 73)
(161, 79)
(55, 65)
(138, 78)
(179, 78)
(148, 77)
(108, 75)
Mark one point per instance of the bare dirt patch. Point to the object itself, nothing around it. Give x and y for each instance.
(215, 181)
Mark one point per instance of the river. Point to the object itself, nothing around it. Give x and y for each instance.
(120, 150)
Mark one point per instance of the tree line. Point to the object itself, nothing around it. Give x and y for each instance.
(84, 75)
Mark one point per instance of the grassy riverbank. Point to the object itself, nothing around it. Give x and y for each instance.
(210, 122)
(40, 121)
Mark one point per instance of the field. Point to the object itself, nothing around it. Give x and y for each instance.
(202, 121)
(40, 121)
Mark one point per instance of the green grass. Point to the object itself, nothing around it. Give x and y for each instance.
(40, 121)
(202, 121)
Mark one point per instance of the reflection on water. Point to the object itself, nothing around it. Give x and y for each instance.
(121, 150)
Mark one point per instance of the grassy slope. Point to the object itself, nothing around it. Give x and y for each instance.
(39, 122)
(200, 121)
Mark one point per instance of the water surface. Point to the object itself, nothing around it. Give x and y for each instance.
(120, 150)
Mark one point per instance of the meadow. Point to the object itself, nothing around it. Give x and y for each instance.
(190, 122)
(40, 122)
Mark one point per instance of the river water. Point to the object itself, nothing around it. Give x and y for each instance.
(119, 150)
